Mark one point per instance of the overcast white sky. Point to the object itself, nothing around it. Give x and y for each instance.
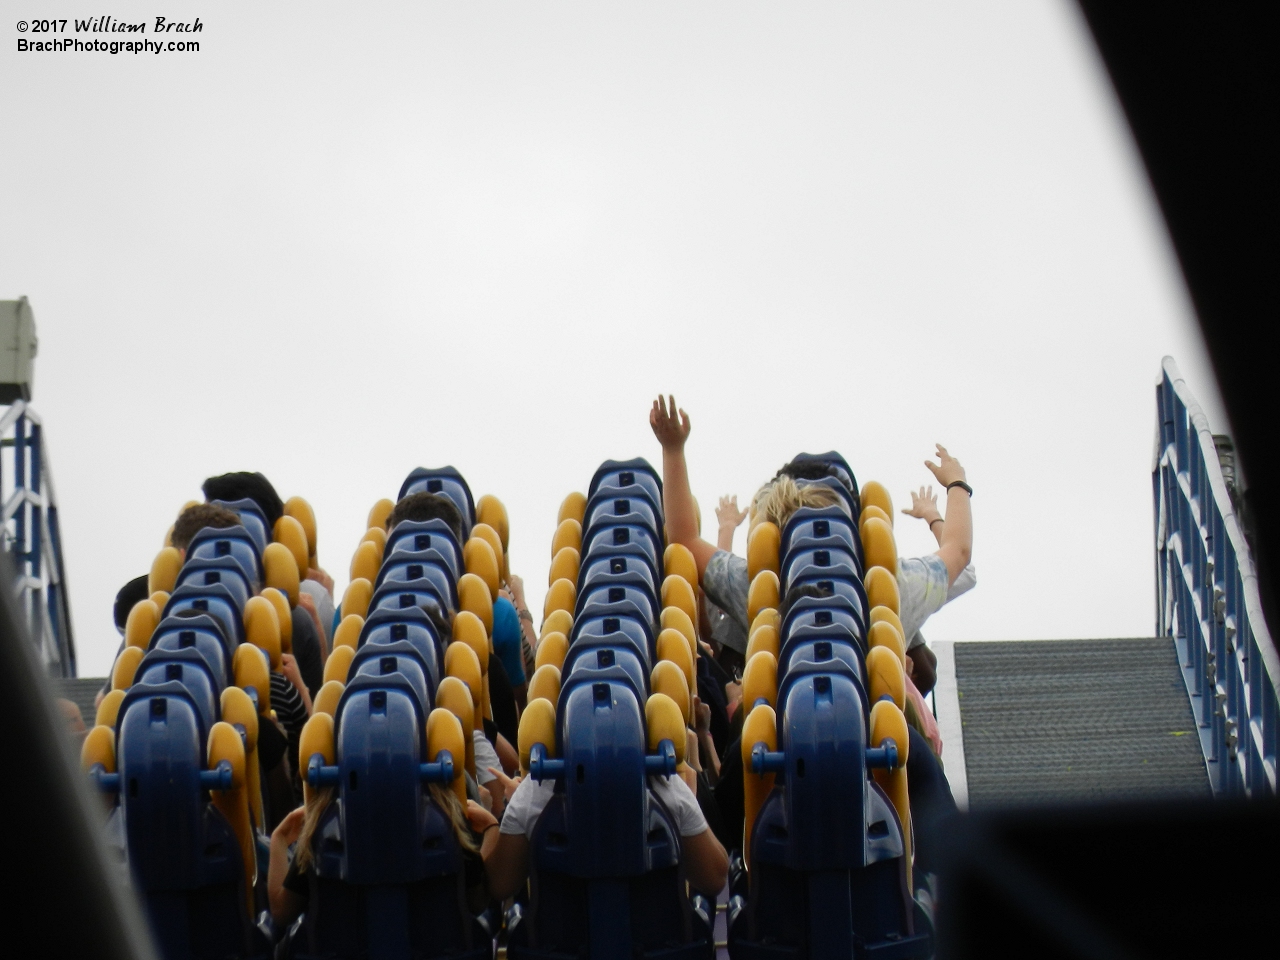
(341, 242)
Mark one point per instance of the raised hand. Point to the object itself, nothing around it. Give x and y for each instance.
(671, 428)
(289, 828)
(948, 471)
(728, 514)
(924, 505)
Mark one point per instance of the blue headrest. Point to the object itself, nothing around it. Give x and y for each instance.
(251, 518)
(409, 624)
(602, 737)
(447, 482)
(854, 594)
(627, 473)
(381, 740)
(848, 502)
(819, 523)
(401, 657)
(592, 660)
(417, 536)
(428, 565)
(612, 561)
(840, 537)
(824, 563)
(160, 750)
(402, 594)
(599, 607)
(614, 588)
(216, 543)
(215, 600)
(202, 633)
(189, 668)
(833, 460)
(622, 502)
(841, 634)
(226, 571)
(819, 611)
(639, 518)
(819, 651)
(832, 666)
(639, 633)
(605, 535)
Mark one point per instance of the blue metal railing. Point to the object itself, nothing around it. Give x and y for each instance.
(31, 536)
(1207, 599)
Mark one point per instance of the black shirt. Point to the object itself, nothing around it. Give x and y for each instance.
(306, 650)
(502, 701)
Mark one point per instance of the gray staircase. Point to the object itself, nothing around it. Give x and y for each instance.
(1061, 721)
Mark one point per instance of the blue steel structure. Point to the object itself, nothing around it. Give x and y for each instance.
(32, 537)
(1207, 599)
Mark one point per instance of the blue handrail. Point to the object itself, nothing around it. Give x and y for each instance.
(30, 533)
(1207, 599)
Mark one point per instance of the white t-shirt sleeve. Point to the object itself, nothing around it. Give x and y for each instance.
(680, 803)
(922, 588)
(527, 804)
(486, 757)
(964, 583)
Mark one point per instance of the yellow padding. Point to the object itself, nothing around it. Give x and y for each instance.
(338, 666)
(109, 709)
(885, 634)
(885, 676)
(678, 592)
(490, 536)
(99, 747)
(281, 571)
(455, 696)
(481, 561)
(348, 632)
(289, 532)
(664, 720)
(874, 494)
(768, 615)
(763, 543)
(379, 512)
(869, 511)
(444, 732)
(141, 624)
(237, 710)
(673, 646)
(564, 566)
(468, 629)
(284, 616)
(474, 595)
(537, 725)
(568, 534)
(378, 537)
(670, 679)
(327, 698)
(764, 637)
(763, 594)
(878, 547)
(888, 723)
(561, 595)
(760, 726)
(366, 561)
(551, 649)
(317, 737)
(164, 570)
(491, 512)
(461, 661)
(126, 666)
(251, 670)
(262, 628)
(677, 560)
(545, 683)
(557, 621)
(159, 598)
(572, 507)
(673, 618)
(884, 613)
(760, 680)
(300, 510)
(882, 589)
(356, 598)
(233, 804)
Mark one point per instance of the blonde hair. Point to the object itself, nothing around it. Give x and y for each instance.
(778, 499)
(318, 801)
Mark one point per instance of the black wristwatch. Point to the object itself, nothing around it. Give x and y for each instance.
(962, 485)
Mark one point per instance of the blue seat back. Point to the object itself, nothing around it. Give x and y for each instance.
(621, 474)
(187, 667)
(427, 565)
(833, 460)
(614, 588)
(848, 588)
(412, 536)
(607, 533)
(447, 482)
(204, 573)
(404, 594)
(605, 624)
(410, 625)
(215, 600)
(635, 505)
(847, 501)
(593, 661)
(823, 563)
(401, 657)
(201, 633)
(235, 543)
(816, 654)
(821, 611)
(251, 518)
(604, 565)
(820, 523)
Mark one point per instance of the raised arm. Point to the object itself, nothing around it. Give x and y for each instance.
(730, 518)
(672, 430)
(956, 542)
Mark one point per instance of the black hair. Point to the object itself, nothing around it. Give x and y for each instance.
(426, 506)
(133, 591)
(250, 486)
